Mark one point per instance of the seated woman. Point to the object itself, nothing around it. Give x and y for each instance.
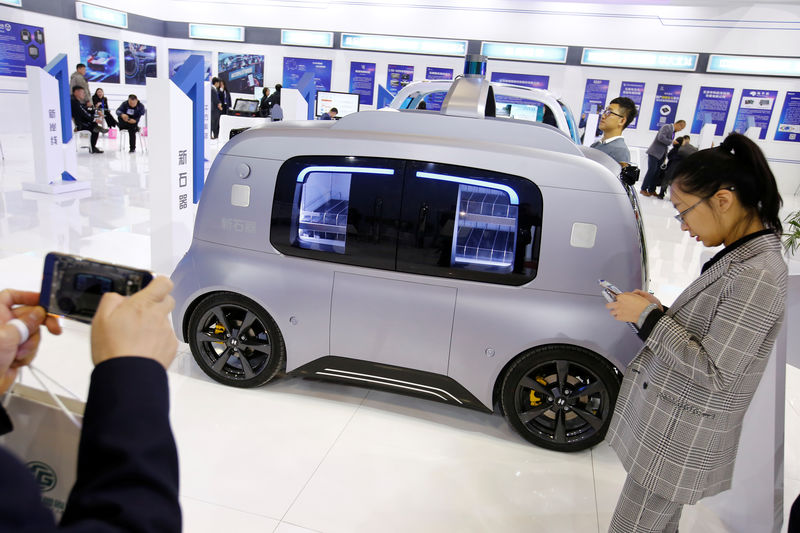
(101, 103)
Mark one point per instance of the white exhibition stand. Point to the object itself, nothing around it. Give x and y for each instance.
(51, 158)
(706, 136)
(171, 179)
(294, 105)
(755, 501)
(230, 122)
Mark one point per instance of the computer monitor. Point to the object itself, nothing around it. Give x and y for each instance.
(345, 103)
(245, 105)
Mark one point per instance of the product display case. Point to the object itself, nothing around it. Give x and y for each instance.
(324, 202)
(486, 228)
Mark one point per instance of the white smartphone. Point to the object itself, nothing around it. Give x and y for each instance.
(610, 291)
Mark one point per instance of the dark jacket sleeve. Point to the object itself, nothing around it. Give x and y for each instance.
(127, 461)
(214, 99)
(121, 108)
(79, 114)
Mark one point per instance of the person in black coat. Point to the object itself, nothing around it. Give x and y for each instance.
(101, 106)
(275, 98)
(224, 97)
(216, 108)
(127, 478)
(263, 105)
(129, 113)
(83, 117)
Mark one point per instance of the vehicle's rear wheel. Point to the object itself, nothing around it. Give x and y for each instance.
(560, 397)
(235, 341)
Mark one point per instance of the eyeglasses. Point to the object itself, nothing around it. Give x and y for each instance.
(607, 111)
(679, 216)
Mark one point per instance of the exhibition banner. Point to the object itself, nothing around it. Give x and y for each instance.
(755, 109)
(242, 72)
(635, 91)
(525, 80)
(178, 57)
(789, 123)
(295, 67)
(398, 76)
(101, 57)
(20, 45)
(665, 106)
(434, 101)
(594, 97)
(362, 81)
(140, 63)
(713, 104)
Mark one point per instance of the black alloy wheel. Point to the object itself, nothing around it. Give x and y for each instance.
(560, 397)
(235, 341)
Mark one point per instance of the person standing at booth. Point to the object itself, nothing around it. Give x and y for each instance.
(129, 113)
(656, 154)
(678, 417)
(224, 97)
(263, 105)
(216, 108)
(78, 79)
(613, 119)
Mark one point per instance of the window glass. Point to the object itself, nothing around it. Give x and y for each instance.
(341, 209)
(471, 224)
(573, 128)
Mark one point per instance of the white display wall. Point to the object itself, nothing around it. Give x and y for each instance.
(741, 30)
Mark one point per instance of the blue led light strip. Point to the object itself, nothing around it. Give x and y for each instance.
(512, 194)
(360, 170)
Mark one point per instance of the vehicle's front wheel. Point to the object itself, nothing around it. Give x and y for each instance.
(235, 341)
(560, 397)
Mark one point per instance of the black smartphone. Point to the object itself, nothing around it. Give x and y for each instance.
(72, 286)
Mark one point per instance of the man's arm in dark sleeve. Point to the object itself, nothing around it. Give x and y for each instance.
(127, 462)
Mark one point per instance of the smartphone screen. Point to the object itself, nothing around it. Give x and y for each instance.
(72, 286)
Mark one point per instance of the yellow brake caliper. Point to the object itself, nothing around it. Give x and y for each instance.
(219, 329)
(536, 400)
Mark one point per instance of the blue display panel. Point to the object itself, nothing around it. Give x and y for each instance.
(178, 57)
(140, 63)
(20, 45)
(665, 106)
(755, 109)
(594, 97)
(713, 104)
(101, 57)
(295, 67)
(789, 123)
(635, 91)
(398, 76)
(242, 72)
(524, 80)
(362, 81)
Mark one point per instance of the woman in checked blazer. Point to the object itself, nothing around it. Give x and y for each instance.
(678, 417)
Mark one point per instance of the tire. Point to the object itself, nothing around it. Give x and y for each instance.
(235, 341)
(560, 397)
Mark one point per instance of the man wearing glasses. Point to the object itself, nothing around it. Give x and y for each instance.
(656, 154)
(613, 119)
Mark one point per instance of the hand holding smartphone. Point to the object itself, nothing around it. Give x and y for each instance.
(610, 291)
(72, 286)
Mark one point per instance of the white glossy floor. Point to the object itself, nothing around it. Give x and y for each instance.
(299, 456)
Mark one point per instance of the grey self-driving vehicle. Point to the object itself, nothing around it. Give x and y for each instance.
(448, 255)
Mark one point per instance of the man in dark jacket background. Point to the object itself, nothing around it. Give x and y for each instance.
(83, 117)
(216, 108)
(129, 113)
(656, 154)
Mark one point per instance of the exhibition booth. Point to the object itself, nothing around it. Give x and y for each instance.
(419, 246)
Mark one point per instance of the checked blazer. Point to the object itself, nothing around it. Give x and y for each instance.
(679, 413)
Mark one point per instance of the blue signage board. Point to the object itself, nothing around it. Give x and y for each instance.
(242, 73)
(101, 57)
(434, 100)
(295, 67)
(713, 104)
(20, 45)
(594, 97)
(755, 109)
(525, 80)
(362, 81)
(665, 106)
(635, 91)
(398, 76)
(789, 123)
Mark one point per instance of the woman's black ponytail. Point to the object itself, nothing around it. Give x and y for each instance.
(739, 163)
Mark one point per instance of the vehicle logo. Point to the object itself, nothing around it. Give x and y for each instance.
(45, 476)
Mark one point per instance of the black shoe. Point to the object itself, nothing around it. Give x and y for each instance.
(132, 151)
(138, 129)
(97, 151)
